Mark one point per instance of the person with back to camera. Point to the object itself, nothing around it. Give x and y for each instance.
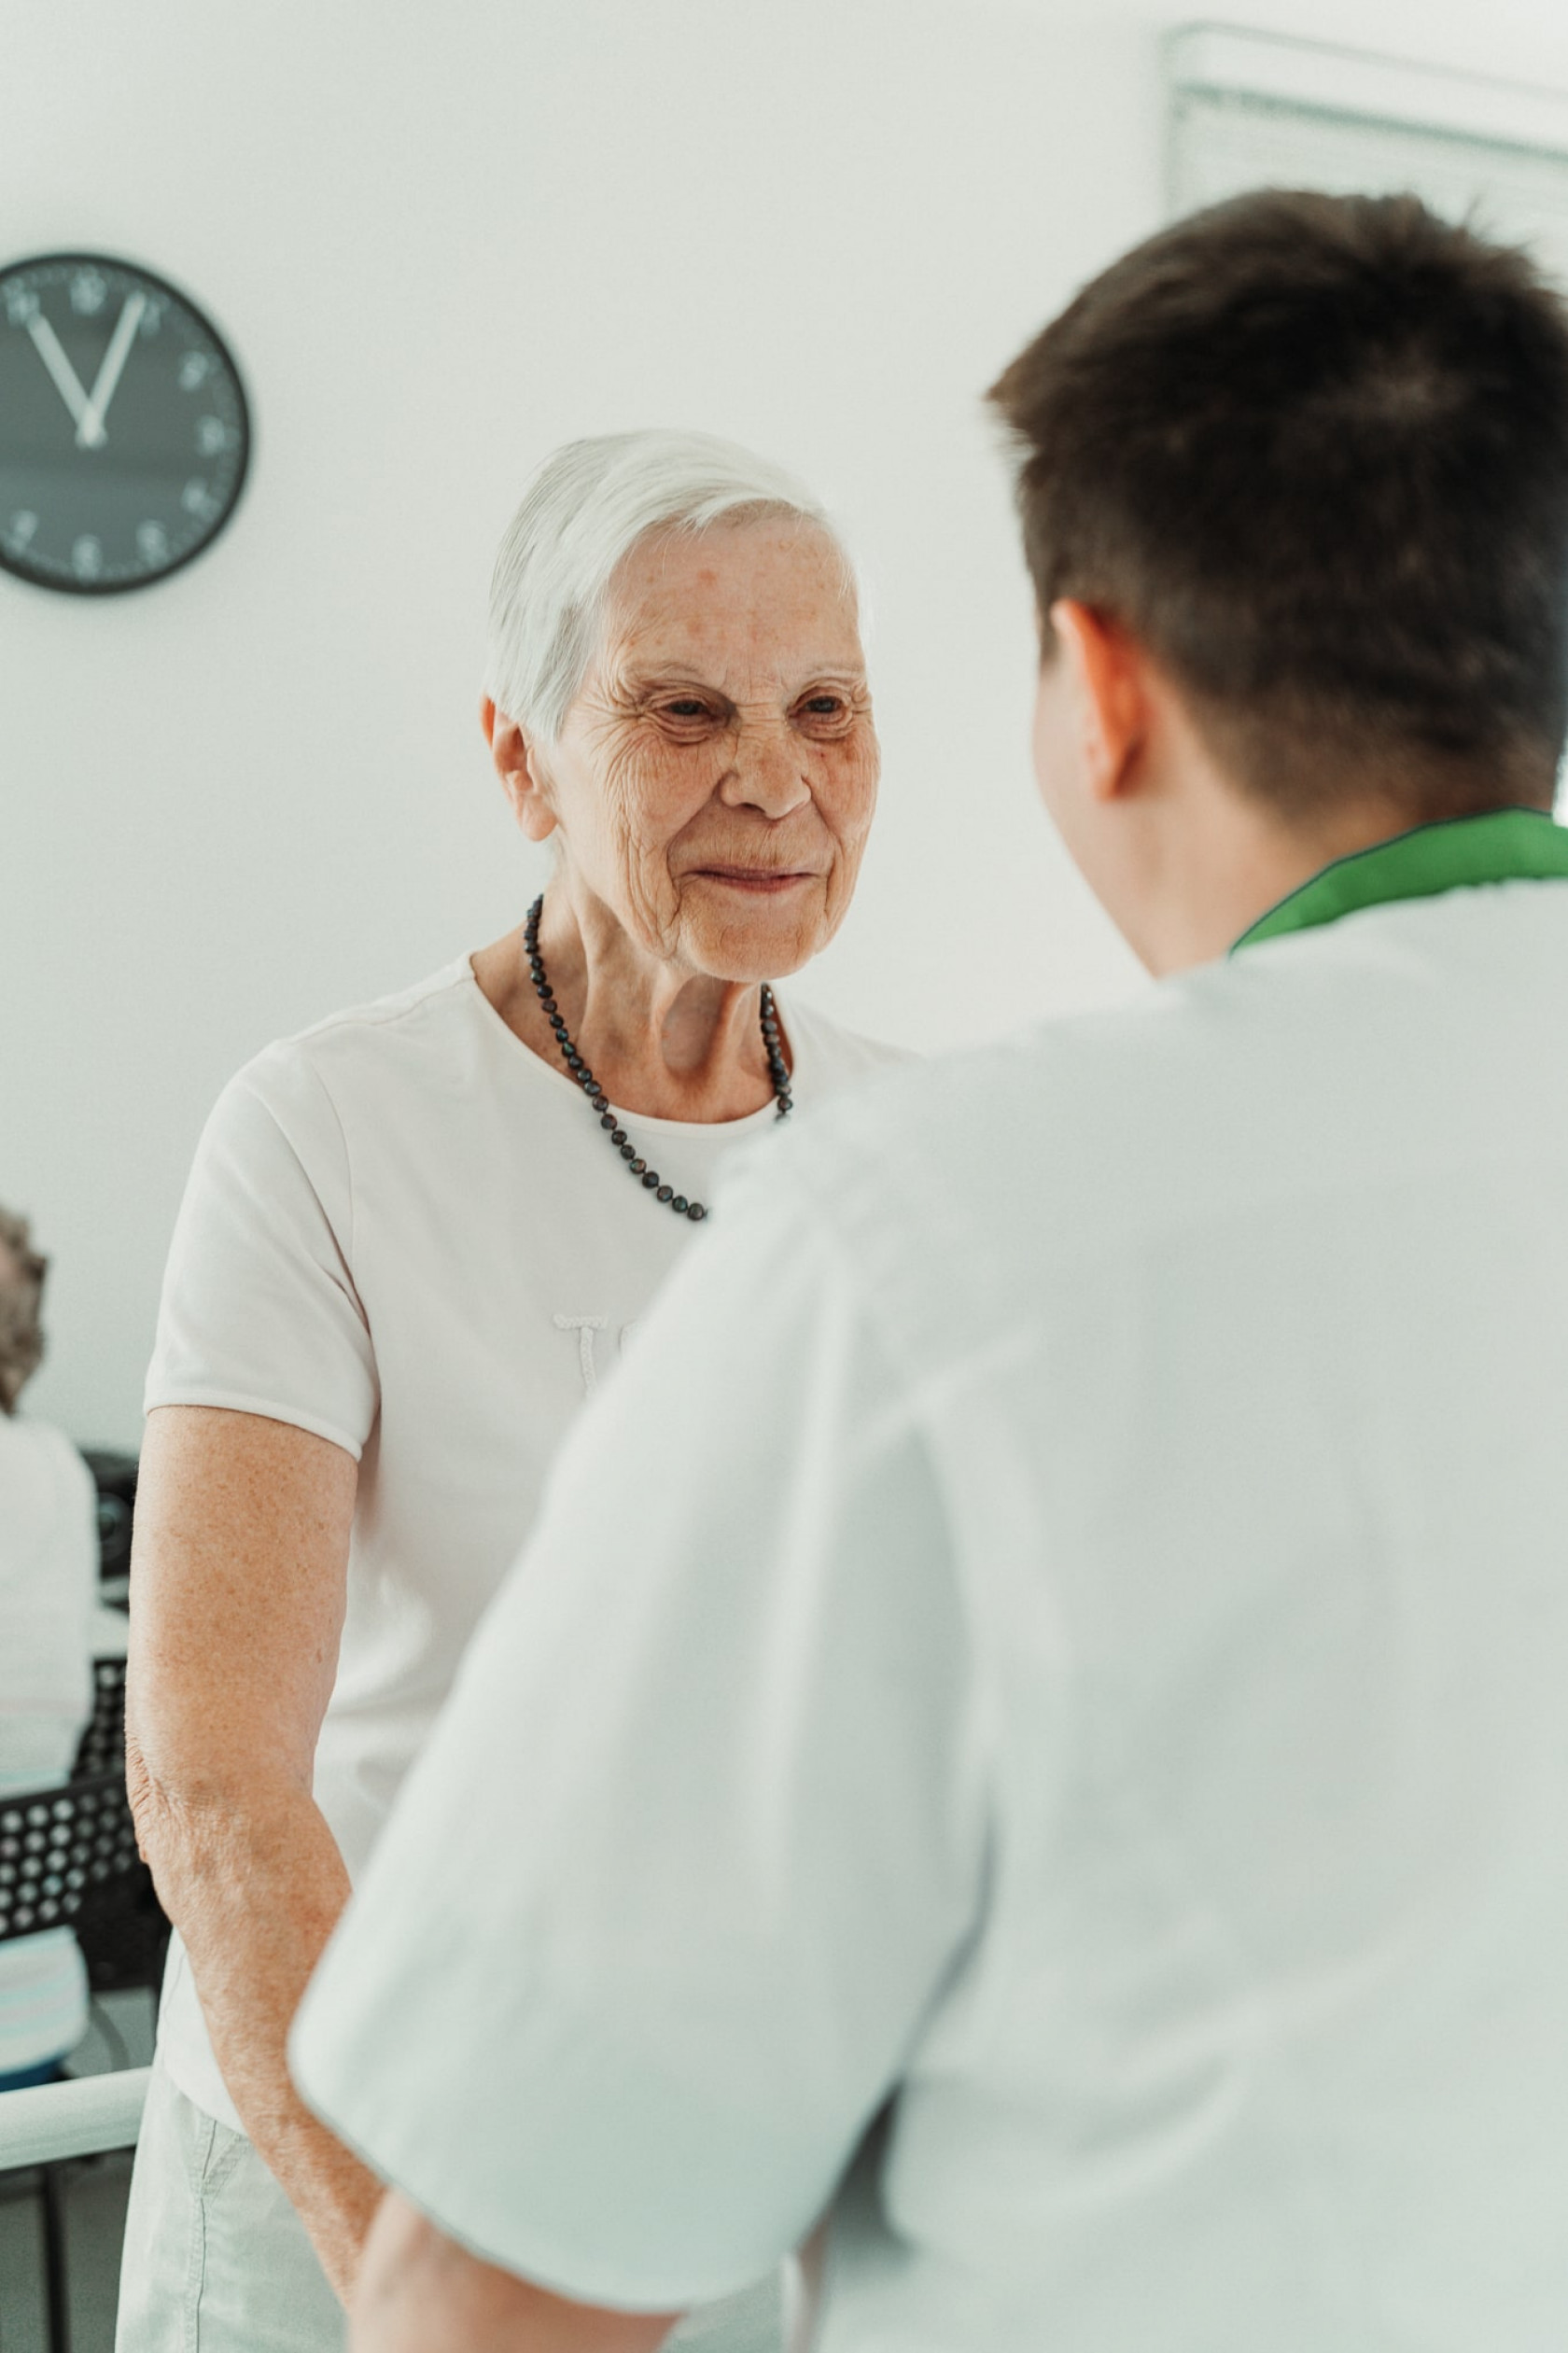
(413, 1240)
(49, 1591)
(1102, 1873)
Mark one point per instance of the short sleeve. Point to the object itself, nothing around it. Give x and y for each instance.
(259, 1311)
(655, 1927)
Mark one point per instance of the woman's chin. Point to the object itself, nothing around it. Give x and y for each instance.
(763, 943)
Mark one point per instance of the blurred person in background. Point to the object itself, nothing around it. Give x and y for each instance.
(48, 1593)
(414, 1240)
(1030, 1733)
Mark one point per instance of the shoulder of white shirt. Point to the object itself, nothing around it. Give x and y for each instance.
(844, 1051)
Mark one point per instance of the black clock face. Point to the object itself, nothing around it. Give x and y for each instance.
(123, 430)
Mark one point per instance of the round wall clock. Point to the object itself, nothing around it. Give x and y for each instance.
(124, 434)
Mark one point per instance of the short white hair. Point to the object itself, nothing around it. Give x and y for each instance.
(587, 507)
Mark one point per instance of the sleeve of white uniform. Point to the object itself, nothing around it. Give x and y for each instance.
(659, 1915)
(259, 1311)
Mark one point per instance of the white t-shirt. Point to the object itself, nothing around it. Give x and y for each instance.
(406, 1232)
(1034, 1714)
(49, 1593)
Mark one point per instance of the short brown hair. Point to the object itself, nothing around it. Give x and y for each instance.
(22, 1334)
(1312, 452)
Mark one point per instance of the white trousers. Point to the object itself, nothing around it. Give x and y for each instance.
(216, 2260)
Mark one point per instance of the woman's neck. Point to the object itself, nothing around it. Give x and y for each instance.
(662, 1040)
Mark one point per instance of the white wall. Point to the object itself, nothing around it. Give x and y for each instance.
(441, 240)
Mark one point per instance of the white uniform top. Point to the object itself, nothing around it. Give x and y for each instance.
(1042, 1683)
(405, 1232)
(48, 1593)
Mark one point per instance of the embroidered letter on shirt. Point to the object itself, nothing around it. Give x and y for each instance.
(584, 1326)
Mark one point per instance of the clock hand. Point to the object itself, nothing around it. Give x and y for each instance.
(52, 352)
(90, 426)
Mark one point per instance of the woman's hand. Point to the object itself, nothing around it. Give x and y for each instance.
(238, 1589)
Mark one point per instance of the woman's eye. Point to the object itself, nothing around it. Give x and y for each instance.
(825, 706)
(687, 707)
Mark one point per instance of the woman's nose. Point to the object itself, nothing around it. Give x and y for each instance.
(768, 772)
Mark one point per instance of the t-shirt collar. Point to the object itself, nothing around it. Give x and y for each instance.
(1499, 845)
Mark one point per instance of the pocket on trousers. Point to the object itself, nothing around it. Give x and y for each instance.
(212, 2151)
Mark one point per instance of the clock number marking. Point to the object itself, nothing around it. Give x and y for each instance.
(197, 499)
(88, 292)
(152, 318)
(213, 436)
(21, 305)
(21, 526)
(194, 370)
(153, 542)
(87, 558)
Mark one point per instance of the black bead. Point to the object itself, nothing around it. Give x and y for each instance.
(601, 1102)
(618, 1136)
(557, 1025)
(609, 1120)
(651, 1180)
(574, 1059)
(680, 1205)
(696, 1212)
(628, 1150)
(637, 1167)
(667, 1192)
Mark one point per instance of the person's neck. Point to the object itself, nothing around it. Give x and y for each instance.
(662, 1040)
(1231, 860)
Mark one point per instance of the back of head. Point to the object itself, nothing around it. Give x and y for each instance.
(1312, 451)
(588, 505)
(21, 1291)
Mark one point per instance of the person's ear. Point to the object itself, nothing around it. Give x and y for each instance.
(517, 764)
(1105, 670)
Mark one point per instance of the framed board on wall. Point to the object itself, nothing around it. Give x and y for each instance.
(1250, 111)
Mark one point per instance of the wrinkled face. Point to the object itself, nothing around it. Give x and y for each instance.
(716, 776)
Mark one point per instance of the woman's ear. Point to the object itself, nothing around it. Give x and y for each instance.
(1105, 675)
(518, 766)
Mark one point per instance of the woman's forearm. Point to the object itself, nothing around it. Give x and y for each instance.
(420, 2290)
(254, 1882)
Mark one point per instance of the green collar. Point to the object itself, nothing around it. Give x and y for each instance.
(1501, 846)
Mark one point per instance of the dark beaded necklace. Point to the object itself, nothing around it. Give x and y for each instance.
(648, 1178)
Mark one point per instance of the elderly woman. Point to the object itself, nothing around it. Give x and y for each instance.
(49, 1584)
(413, 1240)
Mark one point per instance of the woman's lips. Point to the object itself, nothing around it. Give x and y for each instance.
(749, 878)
